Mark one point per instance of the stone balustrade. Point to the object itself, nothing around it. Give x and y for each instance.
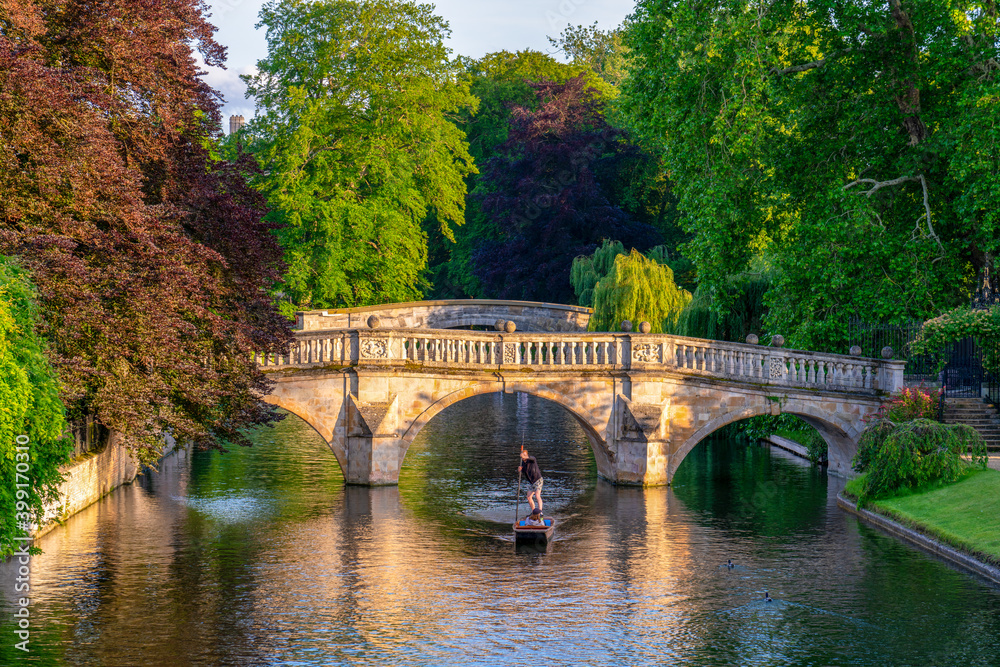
(476, 350)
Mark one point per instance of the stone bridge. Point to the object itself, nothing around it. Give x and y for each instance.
(644, 400)
(451, 314)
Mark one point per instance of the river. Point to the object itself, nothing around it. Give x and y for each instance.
(263, 556)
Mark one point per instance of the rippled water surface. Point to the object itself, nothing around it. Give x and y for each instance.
(264, 557)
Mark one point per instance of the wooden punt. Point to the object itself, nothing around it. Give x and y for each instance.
(526, 533)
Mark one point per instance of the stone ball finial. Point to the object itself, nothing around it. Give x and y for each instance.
(887, 352)
(777, 340)
(509, 326)
(627, 326)
(855, 351)
(645, 327)
(374, 322)
(499, 325)
(752, 339)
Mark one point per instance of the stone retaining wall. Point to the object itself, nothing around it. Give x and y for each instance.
(929, 544)
(90, 477)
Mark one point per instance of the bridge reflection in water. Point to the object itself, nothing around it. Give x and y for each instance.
(263, 556)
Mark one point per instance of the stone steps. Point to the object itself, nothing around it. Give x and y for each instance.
(978, 414)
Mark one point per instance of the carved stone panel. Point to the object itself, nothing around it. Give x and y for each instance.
(777, 369)
(646, 352)
(375, 348)
(510, 353)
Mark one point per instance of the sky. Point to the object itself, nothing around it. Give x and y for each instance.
(478, 27)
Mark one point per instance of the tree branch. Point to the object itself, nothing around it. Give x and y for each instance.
(878, 185)
(774, 71)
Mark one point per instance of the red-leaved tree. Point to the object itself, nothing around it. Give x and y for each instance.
(151, 259)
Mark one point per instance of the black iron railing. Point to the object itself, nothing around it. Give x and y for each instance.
(872, 337)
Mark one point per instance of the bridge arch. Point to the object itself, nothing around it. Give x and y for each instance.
(840, 441)
(581, 414)
(336, 445)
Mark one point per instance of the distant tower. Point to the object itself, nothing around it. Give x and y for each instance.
(235, 124)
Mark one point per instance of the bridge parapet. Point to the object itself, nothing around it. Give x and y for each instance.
(585, 352)
(451, 313)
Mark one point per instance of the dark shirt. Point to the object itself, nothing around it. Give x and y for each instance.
(531, 470)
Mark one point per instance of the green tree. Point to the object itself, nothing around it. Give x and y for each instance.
(588, 270)
(742, 313)
(31, 412)
(355, 138)
(637, 289)
(854, 145)
(601, 51)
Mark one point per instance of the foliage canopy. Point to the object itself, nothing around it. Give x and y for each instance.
(30, 408)
(855, 145)
(354, 134)
(151, 261)
(553, 192)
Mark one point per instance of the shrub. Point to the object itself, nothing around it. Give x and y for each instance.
(913, 403)
(909, 454)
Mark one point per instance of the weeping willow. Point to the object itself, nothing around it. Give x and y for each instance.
(744, 314)
(637, 289)
(587, 270)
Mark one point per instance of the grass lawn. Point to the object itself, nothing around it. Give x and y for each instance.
(964, 514)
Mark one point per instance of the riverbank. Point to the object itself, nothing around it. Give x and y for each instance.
(90, 477)
(963, 517)
(789, 445)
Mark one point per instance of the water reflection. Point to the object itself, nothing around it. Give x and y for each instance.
(263, 557)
